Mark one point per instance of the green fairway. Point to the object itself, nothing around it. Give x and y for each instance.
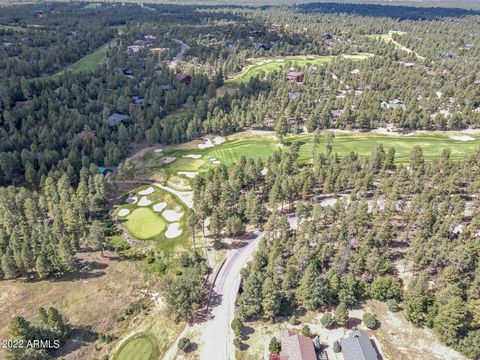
(140, 347)
(91, 61)
(143, 223)
(266, 65)
(388, 38)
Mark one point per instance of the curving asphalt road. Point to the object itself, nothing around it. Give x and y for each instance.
(217, 334)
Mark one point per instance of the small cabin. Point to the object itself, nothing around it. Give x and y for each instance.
(295, 76)
(183, 78)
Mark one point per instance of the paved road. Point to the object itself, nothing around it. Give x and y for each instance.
(217, 333)
(183, 48)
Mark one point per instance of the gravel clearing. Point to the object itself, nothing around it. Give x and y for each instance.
(147, 191)
(189, 174)
(192, 156)
(169, 159)
(144, 201)
(123, 212)
(173, 231)
(159, 207)
(172, 216)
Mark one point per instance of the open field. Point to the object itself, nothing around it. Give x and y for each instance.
(91, 300)
(91, 61)
(266, 65)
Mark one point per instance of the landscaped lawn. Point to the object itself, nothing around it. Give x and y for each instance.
(144, 224)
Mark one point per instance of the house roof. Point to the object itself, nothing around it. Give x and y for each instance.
(296, 347)
(357, 346)
(116, 118)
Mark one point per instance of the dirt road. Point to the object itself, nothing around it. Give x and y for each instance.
(217, 333)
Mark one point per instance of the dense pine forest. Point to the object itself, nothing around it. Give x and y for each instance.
(385, 216)
(85, 86)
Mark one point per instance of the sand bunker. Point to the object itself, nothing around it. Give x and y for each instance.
(160, 206)
(131, 199)
(189, 174)
(462, 138)
(173, 230)
(218, 140)
(147, 191)
(216, 162)
(169, 159)
(158, 150)
(207, 144)
(264, 171)
(171, 215)
(144, 201)
(192, 156)
(123, 212)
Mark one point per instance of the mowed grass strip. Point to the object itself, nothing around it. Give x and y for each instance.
(144, 224)
(140, 347)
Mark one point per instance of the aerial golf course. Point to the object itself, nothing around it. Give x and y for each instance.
(156, 211)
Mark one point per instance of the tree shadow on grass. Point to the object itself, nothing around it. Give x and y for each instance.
(79, 337)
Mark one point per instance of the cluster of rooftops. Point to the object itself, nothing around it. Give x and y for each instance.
(356, 346)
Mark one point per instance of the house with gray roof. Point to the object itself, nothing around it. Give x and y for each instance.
(116, 118)
(357, 346)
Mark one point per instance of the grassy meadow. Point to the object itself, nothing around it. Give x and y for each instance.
(266, 65)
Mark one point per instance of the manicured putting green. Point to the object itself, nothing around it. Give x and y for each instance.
(144, 224)
(140, 347)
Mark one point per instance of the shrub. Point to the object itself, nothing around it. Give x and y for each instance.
(341, 315)
(393, 305)
(237, 342)
(184, 344)
(217, 245)
(274, 346)
(369, 320)
(326, 320)
(237, 326)
(306, 331)
(293, 320)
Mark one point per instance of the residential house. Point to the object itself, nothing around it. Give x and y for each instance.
(275, 28)
(166, 87)
(336, 113)
(157, 50)
(295, 76)
(292, 95)
(296, 347)
(102, 170)
(392, 105)
(149, 37)
(357, 346)
(138, 100)
(132, 49)
(116, 118)
(262, 46)
(183, 78)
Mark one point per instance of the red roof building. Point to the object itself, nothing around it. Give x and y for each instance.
(296, 347)
(295, 76)
(183, 78)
